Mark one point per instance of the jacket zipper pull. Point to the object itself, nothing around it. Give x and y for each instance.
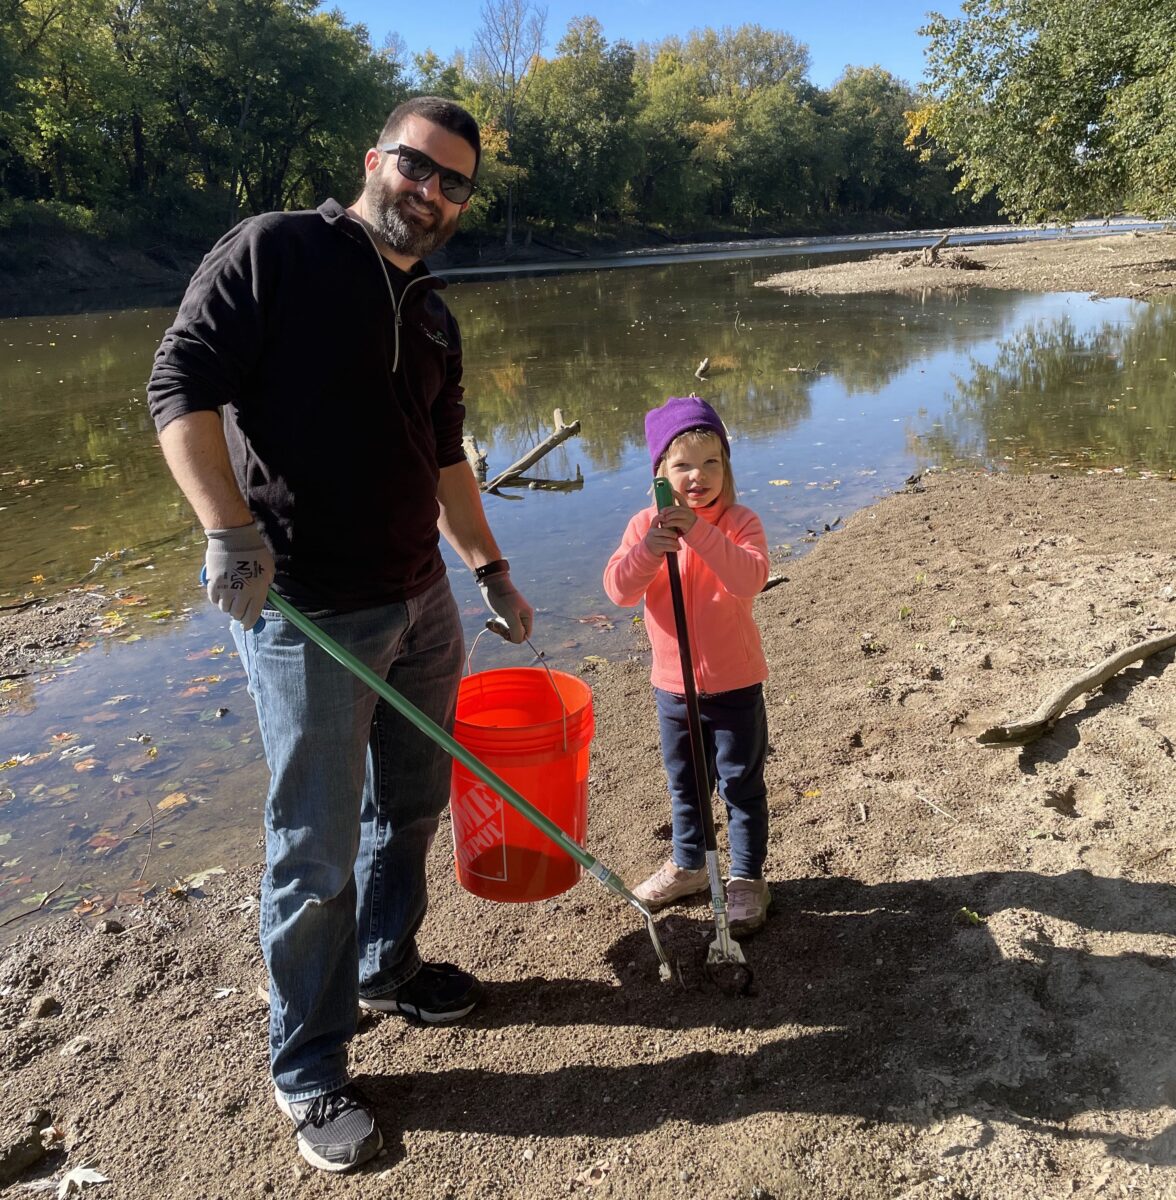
(396, 325)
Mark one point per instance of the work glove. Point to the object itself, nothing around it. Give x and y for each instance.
(239, 567)
(515, 617)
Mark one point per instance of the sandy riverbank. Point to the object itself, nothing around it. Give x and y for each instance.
(1136, 265)
(965, 988)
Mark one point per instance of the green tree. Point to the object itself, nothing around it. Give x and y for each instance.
(187, 111)
(53, 123)
(432, 76)
(744, 59)
(669, 128)
(579, 131)
(755, 142)
(1060, 107)
(185, 115)
(775, 156)
(273, 100)
(874, 172)
(1143, 112)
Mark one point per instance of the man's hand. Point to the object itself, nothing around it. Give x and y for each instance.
(506, 601)
(240, 568)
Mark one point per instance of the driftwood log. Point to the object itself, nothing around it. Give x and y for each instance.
(537, 484)
(513, 475)
(931, 253)
(475, 456)
(929, 256)
(1041, 721)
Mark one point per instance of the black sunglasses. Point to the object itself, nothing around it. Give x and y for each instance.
(417, 166)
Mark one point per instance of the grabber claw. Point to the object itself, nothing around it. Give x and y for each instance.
(726, 965)
(665, 970)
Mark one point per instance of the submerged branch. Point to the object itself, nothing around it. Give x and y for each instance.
(513, 473)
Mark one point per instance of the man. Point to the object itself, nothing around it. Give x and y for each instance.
(338, 459)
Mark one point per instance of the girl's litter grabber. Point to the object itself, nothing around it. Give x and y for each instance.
(724, 949)
(454, 748)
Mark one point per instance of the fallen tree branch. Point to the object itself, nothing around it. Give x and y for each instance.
(537, 484)
(931, 253)
(928, 256)
(475, 456)
(561, 433)
(1152, 287)
(1043, 719)
(150, 842)
(35, 907)
(1142, 862)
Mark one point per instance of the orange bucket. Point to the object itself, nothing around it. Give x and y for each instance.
(532, 728)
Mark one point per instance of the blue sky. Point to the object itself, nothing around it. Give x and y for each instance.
(837, 32)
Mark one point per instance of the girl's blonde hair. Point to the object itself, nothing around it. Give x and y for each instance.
(699, 437)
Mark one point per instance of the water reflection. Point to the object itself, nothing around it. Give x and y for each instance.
(1061, 394)
(79, 474)
(831, 402)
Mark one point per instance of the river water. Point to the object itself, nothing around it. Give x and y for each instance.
(831, 402)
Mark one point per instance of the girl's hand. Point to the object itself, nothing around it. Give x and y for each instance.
(679, 518)
(660, 540)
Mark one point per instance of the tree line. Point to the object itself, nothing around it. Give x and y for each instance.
(1060, 108)
(183, 116)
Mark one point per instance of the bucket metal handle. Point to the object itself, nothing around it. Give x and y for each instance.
(542, 661)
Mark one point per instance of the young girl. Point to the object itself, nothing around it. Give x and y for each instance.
(723, 562)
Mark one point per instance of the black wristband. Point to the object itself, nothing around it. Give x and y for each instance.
(498, 567)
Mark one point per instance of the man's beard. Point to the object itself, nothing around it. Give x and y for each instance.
(395, 225)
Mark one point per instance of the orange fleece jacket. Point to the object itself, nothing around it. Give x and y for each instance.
(723, 562)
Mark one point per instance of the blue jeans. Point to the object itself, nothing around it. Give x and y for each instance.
(355, 793)
(735, 739)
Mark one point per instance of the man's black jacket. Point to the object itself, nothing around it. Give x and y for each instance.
(339, 411)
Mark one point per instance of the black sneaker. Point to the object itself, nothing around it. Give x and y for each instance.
(335, 1132)
(437, 993)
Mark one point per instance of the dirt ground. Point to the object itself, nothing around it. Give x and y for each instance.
(965, 987)
(964, 991)
(1137, 265)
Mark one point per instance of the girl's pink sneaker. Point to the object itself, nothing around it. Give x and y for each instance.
(668, 883)
(748, 901)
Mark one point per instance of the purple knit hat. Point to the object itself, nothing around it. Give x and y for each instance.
(675, 417)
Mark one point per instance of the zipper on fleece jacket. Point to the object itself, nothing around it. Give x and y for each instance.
(391, 294)
(396, 307)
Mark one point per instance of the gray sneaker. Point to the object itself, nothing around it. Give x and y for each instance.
(335, 1132)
